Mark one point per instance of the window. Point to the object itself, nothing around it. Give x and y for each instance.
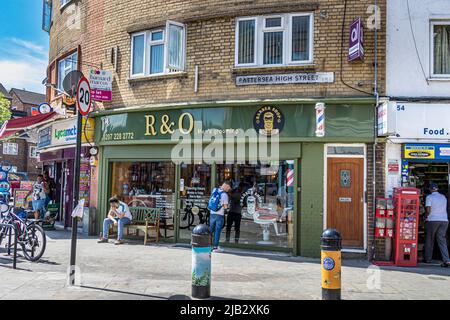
(46, 15)
(33, 152)
(274, 40)
(441, 49)
(64, 2)
(158, 51)
(10, 148)
(65, 66)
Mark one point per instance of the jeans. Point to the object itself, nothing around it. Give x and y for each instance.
(438, 230)
(120, 224)
(234, 217)
(216, 222)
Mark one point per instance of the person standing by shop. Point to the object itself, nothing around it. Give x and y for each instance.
(235, 214)
(218, 203)
(50, 188)
(119, 215)
(436, 225)
(39, 196)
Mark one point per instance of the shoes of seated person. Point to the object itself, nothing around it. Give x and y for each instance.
(117, 242)
(103, 240)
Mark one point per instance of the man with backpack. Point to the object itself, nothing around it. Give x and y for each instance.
(217, 204)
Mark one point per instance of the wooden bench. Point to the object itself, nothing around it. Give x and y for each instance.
(144, 219)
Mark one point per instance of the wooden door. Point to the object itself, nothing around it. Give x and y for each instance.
(345, 199)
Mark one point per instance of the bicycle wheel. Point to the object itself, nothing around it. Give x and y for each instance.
(186, 220)
(33, 245)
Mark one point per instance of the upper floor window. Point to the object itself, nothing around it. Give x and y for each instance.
(441, 49)
(64, 2)
(277, 40)
(158, 51)
(65, 66)
(10, 148)
(34, 153)
(46, 15)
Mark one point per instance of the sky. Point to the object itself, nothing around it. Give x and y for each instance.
(23, 45)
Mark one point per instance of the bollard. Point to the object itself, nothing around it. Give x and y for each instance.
(201, 262)
(331, 264)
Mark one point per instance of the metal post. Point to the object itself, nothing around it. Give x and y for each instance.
(201, 262)
(15, 246)
(9, 239)
(76, 193)
(331, 264)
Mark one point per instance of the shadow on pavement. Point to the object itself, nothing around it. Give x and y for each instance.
(125, 292)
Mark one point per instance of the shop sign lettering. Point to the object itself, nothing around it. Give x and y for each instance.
(166, 126)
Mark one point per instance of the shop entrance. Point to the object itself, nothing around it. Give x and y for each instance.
(421, 175)
(345, 187)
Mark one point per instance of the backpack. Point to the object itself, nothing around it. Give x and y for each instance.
(214, 201)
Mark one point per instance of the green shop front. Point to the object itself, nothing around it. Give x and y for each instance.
(171, 157)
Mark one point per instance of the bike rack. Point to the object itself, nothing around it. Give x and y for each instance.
(13, 226)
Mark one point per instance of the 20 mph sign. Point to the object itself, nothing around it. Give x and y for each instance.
(84, 101)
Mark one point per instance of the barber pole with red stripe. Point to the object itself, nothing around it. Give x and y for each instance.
(320, 119)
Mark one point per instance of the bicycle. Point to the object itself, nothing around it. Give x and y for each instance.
(31, 237)
(190, 212)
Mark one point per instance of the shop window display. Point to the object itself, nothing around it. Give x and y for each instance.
(147, 184)
(261, 204)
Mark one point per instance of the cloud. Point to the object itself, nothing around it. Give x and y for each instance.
(23, 65)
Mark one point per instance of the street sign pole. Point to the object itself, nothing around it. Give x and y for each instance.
(84, 104)
(76, 196)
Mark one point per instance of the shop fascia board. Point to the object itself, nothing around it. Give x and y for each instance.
(282, 140)
(234, 103)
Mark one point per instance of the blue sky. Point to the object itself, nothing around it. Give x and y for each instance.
(23, 45)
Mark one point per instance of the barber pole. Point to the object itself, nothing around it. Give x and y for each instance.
(290, 183)
(320, 119)
(290, 177)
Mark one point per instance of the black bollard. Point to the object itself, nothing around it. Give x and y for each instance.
(331, 264)
(201, 262)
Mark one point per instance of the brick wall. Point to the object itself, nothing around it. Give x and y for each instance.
(22, 160)
(210, 45)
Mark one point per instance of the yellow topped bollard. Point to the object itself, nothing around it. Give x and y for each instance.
(331, 264)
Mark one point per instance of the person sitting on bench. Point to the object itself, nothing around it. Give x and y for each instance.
(120, 215)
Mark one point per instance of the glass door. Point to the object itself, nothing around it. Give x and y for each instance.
(195, 190)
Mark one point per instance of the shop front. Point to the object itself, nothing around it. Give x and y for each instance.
(417, 151)
(56, 145)
(280, 171)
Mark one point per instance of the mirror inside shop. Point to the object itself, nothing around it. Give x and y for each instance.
(261, 199)
(421, 175)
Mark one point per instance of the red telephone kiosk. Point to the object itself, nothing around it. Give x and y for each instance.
(407, 205)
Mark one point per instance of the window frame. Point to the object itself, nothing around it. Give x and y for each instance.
(59, 83)
(148, 43)
(433, 23)
(8, 145)
(286, 28)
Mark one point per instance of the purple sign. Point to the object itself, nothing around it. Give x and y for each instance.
(356, 41)
(101, 85)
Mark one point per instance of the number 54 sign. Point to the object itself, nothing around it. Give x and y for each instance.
(84, 101)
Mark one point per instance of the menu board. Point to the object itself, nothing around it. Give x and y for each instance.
(20, 198)
(195, 196)
(85, 178)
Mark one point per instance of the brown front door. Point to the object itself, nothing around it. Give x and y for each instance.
(345, 199)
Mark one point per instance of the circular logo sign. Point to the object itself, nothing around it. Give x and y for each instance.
(3, 176)
(44, 108)
(84, 101)
(268, 121)
(328, 264)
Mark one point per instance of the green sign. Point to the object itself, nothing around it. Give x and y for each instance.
(298, 122)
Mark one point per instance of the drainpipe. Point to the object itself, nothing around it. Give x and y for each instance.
(377, 100)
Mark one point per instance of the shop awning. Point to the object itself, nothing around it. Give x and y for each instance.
(20, 125)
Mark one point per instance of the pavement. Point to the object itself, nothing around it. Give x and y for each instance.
(163, 272)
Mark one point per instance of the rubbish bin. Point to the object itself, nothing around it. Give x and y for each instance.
(201, 262)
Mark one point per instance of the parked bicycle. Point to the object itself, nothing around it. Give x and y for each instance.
(31, 237)
(187, 219)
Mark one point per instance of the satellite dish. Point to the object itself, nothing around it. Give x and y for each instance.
(70, 82)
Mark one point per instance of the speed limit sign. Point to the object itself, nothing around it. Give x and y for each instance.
(84, 101)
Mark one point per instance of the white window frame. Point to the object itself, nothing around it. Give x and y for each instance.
(432, 24)
(148, 42)
(36, 152)
(286, 27)
(64, 3)
(6, 148)
(60, 81)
